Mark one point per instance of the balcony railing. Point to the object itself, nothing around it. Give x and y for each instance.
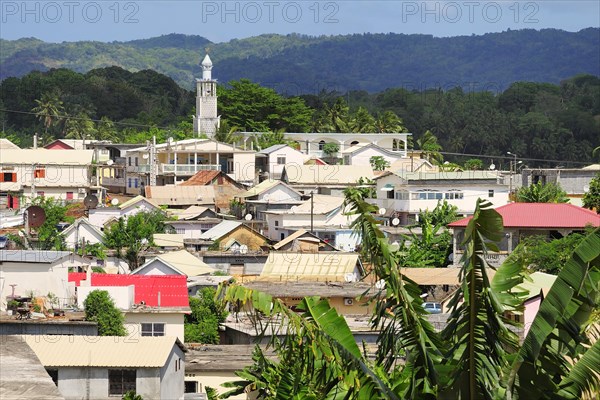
(179, 169)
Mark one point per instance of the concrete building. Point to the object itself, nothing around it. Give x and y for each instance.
(81, 231)
(48, 327)
(153, 305)
(178, 196)
(574, 181)
(37, 272)
(61, 174)
(325, 179)
(269, 195)
(206, 120)
(270, 161)
(102, 215)
(405, 194)
(110, 366)
(520, 220)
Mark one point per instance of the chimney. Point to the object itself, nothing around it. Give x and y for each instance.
(35, 140)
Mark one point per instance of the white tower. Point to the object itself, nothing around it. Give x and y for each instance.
(206, 120)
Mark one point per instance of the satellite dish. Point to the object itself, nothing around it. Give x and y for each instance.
(35, 216)
(492, 167)
(114, 202)
(395, 221)
(395, 246)
(146, 156)
(382, 211)
(293, 209)
(90, 201)
(248, 217)
(243, 249)
(380, 284)
(349, 277)
(110, 162)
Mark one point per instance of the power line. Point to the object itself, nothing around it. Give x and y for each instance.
(512, 157)
(85, 119)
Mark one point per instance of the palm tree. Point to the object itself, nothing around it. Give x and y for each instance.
(542, 193)
(430, 147)
(79, 127)
(378, 163)
(388, 122)
(362, 121)
(49, 110)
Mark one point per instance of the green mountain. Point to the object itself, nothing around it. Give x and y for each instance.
(296, 64)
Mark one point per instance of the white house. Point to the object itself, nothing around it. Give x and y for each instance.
(38, 272)
(405, 194)
(100, 216)
(272, 159)
(269, 195)
(155, 308)
(329, 221)
(106, 367)
(192, 222)
(181, 196)
(361, 154)
(60, 174)
(177, 161)
(325, 179)
(82, 231)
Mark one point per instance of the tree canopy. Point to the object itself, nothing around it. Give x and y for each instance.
(100, 308)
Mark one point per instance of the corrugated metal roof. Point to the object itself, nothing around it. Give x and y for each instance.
(542, 215)
(181, 195)
(168, 239)
(220, 230)
(260, 188)
(33, 256)
(273, 148)
(540, 281)
(186, 262)
(327, 174)
(102, 351)
(321, 204)
(321, 266)
(46, 157)
(435, 276)
(446, 175)
(136, 200)
(172, 288)
(201, 178)
(6, 144)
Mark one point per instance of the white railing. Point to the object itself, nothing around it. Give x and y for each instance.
(113, 181)
(179, 169)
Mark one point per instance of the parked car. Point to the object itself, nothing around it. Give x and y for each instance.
(3, 242)
(432, 308)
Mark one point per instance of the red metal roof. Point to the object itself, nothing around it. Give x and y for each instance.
(172, 288)
(202, 178)
(542, 215)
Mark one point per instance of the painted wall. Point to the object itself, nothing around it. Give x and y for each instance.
(531, 309)
(99, 216)
(173, 322)
(292, 157)
(214, 379)
(191, 230)
(37, 277)
(243, 167)
(363, 157)
(123, 296)
(172, 376)
(157, 267)
(82, 233)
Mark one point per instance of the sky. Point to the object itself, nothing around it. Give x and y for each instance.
(220, 21)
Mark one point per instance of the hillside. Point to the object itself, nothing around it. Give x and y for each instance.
(297, 64)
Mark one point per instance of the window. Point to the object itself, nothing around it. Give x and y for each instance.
(129, 182)
(191, 386)
(321, 144)
(135, 183)
(69, 195)
(8, 177)
(129, 161)
(39, 173)
(280, 160)
(454, 195)
(153, 329)
(390, 194)
(54, 375)
(276, 223)
(40, 194)
(136, 161)
(120, 381)
(491, 193)
(282, 236)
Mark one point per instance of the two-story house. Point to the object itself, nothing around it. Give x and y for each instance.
(323, 215)
(269, 195)
(60, 174)
(405, 194)
(177, 161)
(270, 161)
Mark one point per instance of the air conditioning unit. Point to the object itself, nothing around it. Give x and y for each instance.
(82, 190)
(348, 301)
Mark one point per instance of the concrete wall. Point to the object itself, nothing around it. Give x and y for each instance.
(148, 384)
(363, 156)
(99, 216)
(40, 278)
(253, 265)
(214, 379)
(173, 322)
(243, 167)
(172, 376)
(82, 233)
(83, 383)
(292, 157)
(33, 327)
(123, 296)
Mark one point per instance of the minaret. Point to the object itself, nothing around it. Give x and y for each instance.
(206, 120)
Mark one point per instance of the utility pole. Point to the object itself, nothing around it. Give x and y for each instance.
(511, 165)
(312, 207)
(152, 161)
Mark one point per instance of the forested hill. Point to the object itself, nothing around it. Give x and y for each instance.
(297, 64)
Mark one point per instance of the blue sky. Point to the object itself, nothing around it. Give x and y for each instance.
(109, 20)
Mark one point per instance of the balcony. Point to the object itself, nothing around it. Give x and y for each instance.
(114, 182)
(172, 169)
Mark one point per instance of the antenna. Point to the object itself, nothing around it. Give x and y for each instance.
(35, 216)
(90, 201)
